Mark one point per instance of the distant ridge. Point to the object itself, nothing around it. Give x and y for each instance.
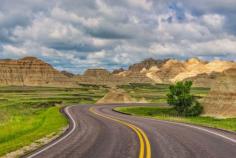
(172, 70)
(31, 71)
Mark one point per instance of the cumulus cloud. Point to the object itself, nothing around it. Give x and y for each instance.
(75, 35)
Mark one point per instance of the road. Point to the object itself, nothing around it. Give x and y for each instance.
(99, 132)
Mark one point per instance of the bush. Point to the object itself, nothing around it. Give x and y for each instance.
(194, 110)
(184, 103)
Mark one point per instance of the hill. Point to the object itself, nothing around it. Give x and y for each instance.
(146, 64)
(221, 100)
(30, 71)
(104, 77)
(68, 74)
(202, 73)
(116, 96)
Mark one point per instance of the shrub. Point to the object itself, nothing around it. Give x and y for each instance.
(194, 110)
(183, 101)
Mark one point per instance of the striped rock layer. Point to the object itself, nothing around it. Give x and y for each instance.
(221, 100)
(31, 71)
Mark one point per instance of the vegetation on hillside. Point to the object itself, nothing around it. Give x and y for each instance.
(156, 93)
(183, 101)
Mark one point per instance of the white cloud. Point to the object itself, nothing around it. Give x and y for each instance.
(62, 15)
(97, 55)
(216, 47)
(44, 28)
(214, 20)
(145, 4)
(122, 58)
(105, 32)
(1, 17)
(190, 29)
(100, 42)
(104, 8)
(165, 49)
(213, 48)
(11, 50)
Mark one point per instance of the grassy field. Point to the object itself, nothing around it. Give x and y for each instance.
(156, 93)
(168, 113)
(30, 113)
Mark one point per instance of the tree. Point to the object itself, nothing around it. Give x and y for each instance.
(183, 101)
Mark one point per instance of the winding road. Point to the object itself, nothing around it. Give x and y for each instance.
(96, 131)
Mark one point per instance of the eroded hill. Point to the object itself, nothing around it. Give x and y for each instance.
(31, 71)
(221, 100)
(202, 73)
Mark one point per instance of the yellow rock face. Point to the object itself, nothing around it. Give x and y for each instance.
(221, 101)
(31, 71)
(196, 68)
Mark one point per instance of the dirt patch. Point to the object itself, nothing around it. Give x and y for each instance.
(117, 96)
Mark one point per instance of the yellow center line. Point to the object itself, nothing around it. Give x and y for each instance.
(148, 146)
(140, 133)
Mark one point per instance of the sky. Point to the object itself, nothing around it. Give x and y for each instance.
(74, 35)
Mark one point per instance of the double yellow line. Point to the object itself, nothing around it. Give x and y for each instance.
(143, 139)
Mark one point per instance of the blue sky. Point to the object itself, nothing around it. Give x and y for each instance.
(78, 34)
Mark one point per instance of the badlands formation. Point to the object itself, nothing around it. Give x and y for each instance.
(202, 73)
(116, 96)
(104, 77)
(219, 75)
(31, 71)
(221, 100)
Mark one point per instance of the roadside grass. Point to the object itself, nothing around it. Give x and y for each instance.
(156, 93)
(169, 114)
(23, 130)
(28, 114)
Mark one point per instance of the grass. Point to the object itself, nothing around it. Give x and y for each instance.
(31, 113)
(156, 93)
(169, 114)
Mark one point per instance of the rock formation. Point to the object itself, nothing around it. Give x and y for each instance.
(98, 73)
(147, 64)
(204, 79)
(94, 76)
(68, 74)
(104, 77)
(34, 72)
(117, 71)
(171, 71)
(221, 100)
(116, 96)
(31, 71)
(201, 67)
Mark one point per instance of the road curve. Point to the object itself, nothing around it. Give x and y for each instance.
(99, 132)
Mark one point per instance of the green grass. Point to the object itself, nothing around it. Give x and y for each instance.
(22, 130)
(156, 93)
(31, 113)
(169, 114)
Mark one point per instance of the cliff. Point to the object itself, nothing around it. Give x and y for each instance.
(31, 71)
(221, 100)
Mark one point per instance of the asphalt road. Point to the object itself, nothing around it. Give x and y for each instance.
(99, 132)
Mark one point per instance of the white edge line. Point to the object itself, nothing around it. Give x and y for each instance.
(195, 127)
(59, 140)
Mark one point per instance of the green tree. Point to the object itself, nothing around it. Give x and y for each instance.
(183, 101)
